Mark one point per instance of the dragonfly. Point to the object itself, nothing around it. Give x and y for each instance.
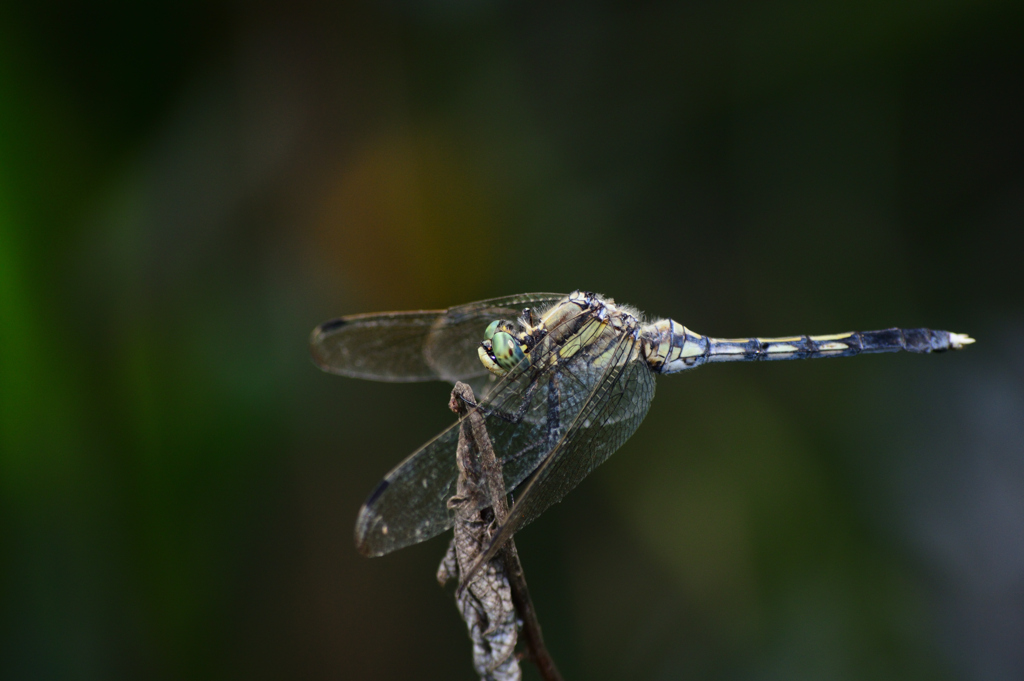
(562, 382)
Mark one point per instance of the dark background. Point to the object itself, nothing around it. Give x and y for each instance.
(186, 189)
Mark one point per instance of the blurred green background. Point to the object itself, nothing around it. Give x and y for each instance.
(186, 189)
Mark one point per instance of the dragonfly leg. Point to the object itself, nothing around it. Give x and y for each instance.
(508, 417)
(552, 434)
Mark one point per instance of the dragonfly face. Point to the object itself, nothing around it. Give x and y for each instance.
(560, 389)
(500, 352)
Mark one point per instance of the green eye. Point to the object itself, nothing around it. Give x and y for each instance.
(507, 353)
(491, 328)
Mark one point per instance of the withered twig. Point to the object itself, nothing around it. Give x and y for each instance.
(479, 468)
(485, 601)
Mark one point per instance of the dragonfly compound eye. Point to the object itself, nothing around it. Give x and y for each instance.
(491, 328)
(507, 352)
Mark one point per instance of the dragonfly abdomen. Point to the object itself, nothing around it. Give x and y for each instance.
(671, 347)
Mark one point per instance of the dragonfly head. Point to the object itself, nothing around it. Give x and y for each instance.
(500, 352)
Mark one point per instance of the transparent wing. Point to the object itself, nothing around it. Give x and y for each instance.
(527, 414)
(422, 345)
(610, 415)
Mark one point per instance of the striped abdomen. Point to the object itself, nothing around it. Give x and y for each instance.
(671, 347)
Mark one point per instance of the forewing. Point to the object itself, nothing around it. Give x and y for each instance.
(421, 345)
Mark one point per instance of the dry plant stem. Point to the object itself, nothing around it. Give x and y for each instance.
(485, 601)
(475, 430)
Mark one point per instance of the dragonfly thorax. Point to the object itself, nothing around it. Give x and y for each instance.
(577, 322)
